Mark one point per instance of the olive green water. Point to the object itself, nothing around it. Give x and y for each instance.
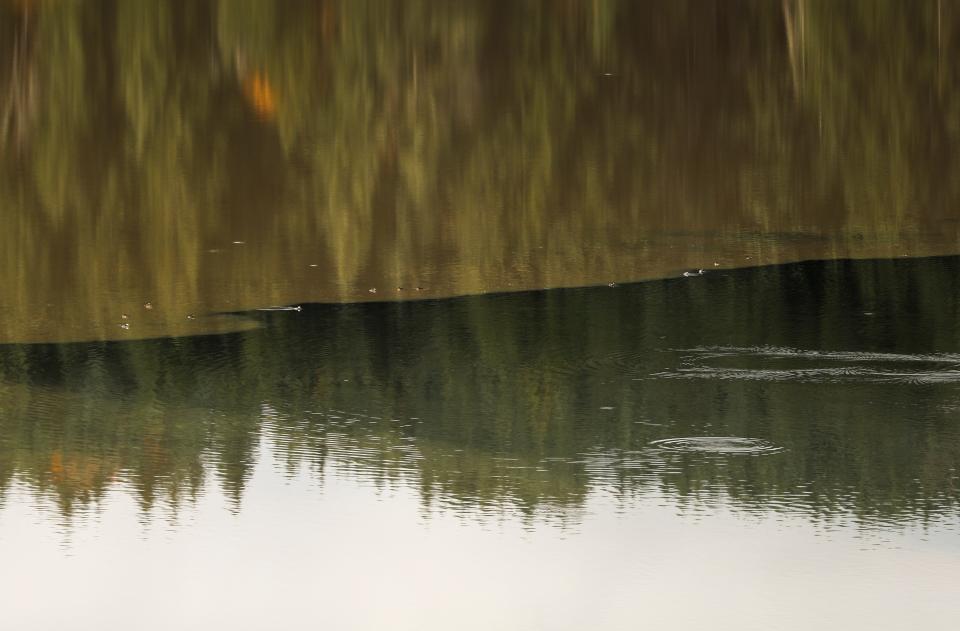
(500, 404)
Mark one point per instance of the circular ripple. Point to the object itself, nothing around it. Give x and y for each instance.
(731, 445)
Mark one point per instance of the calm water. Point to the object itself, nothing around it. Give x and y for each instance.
(500, 401)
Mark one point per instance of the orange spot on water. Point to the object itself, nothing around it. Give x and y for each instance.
(261, 95)
(56, 463)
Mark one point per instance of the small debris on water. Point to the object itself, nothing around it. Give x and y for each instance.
(698, 272)
(286, 308)
(148, 306)
(125, 325)
(239, 242)
(124, 316)
(372, 290)
(190, 316)
(606, 407)
(611, 284)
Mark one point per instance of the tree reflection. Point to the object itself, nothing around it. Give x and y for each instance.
(462, 148)
(500, 402)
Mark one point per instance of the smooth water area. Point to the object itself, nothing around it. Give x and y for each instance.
(479, 314)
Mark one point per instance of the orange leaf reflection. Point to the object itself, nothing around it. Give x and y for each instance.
(261, 95)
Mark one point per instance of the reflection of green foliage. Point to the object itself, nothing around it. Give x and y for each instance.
(513, 144)
(497, 401)
(876, 98)
(62, 131)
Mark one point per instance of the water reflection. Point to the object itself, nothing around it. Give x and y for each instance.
(210, 157)
(773, 446)
(530, 403)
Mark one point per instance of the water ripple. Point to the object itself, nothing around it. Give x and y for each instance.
(794, 365)
(724, 445)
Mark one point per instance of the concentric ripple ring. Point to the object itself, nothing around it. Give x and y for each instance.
(724, 445)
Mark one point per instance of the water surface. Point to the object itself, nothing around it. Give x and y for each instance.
(526, 456)
(206, 157)
(500, 402)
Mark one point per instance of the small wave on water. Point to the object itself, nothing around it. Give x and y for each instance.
(798, 365)
(798, 353)
(621, 362)
(721, 445)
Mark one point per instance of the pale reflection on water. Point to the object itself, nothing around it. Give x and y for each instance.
(354, 554)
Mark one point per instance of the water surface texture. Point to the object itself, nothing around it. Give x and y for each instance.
(479, 314)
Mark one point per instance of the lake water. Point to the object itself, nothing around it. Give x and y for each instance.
(514, 315)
